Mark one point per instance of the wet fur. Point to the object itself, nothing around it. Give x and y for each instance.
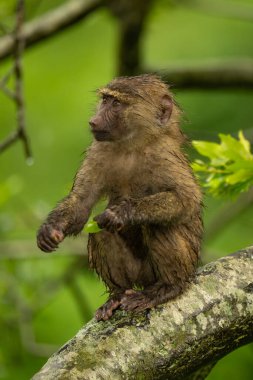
(152, 224)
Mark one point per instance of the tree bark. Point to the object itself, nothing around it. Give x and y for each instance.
(173, 341)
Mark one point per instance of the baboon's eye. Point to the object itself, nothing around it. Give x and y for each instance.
(116, 103)
(104, 100)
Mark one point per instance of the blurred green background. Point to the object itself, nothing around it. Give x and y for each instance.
(44, 298)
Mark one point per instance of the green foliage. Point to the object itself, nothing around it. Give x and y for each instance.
(59, 78)
(229, 169)
(91, 227)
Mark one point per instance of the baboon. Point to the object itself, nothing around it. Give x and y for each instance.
(149, 245)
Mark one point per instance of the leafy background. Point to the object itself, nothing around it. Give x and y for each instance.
(45, 299)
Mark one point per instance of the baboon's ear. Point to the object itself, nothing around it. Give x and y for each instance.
(166, 109)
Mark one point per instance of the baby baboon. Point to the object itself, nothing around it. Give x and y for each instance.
(149, 245)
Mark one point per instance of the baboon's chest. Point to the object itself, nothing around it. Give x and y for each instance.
(130, 176)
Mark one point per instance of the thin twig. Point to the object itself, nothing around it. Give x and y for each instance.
(24, 318)
(8, 92)
(18, 95)
(3, 84)
(68, 278)
(80, 299)
(50, 23)
(6, 77)
(13, 137)
(18, 71)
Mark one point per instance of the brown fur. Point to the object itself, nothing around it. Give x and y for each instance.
(152, 224)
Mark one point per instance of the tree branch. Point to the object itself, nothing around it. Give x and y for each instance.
(13, 137)
(220, 8)
(232, 74)
(50, 23)
(131, 16)
(217, 75)
(19, 45)
(3, 85)
(212, 318)
(18, 95)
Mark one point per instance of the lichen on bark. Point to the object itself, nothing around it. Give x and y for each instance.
(212, 318)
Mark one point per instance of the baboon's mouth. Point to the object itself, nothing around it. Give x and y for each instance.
(101, 135)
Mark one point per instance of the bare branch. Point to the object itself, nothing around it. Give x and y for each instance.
(80, 299)
(8, 92)
(24, 317)
(19, 44)
(50, 23)
(212, 318)
(221, 8)
(131, 16)
(13, 137)
(232, 74)
(3, 84)
(17, 96)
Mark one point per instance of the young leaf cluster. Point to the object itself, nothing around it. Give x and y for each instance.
(228, 170)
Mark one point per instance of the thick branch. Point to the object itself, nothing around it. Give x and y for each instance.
(131, 15)
(228, 74)
(212, 318)
(50, 23)
(220, 8)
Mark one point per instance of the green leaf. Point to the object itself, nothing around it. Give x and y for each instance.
(228, 170)
(91, 227)
(244, 142)
(241, 175)
(206, 148)
(234, 149)
(199, 166)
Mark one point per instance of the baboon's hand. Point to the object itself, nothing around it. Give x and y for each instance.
(115, 217)
(48, 237)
